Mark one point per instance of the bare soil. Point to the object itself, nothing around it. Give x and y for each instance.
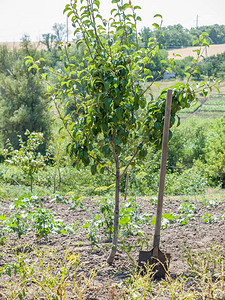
(199, 234)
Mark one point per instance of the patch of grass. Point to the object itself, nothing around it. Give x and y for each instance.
(217, 96)
(3, 193)
(81, 182)
(191, 109)
(62, 279)
(67, 277)
(212, 108)
(213, 101)
(9, 191)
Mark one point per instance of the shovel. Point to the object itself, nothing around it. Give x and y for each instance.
(156, 257)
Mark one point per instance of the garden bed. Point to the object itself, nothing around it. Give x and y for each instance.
(192, 226)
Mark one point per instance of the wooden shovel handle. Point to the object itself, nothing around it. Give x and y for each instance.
(166, 128)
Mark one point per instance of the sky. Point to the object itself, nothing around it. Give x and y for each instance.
(34, 18)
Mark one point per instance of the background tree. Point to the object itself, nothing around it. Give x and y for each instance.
(216, 33)
(213, 66)
(176, 36)
(158, 64)
(52, 40)
(145, 34)
(187, 143)
(214, 151)
(181, 65)
(59, 32)
(48, 39)
(23, 104)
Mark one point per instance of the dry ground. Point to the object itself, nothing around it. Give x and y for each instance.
(200, 234)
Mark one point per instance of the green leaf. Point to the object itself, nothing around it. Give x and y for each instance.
(168, 216)
(197, 51)
(69, 13)
(123, 221)
(142, 153)
(157, 125)
(143, 103)
(97, 3)
(217, 88)
(156, 83)
(126, 5)
(107, 102)
(93, 169)
(195, 43)
(102, 170)
(178, 122)
(106, 151)
(156, 25)
(112, 11)
(86, 225)
(158, 15)
(117, 140)
(153, 221)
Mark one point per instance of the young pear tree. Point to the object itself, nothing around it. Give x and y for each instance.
(27, 157)
(114, 116)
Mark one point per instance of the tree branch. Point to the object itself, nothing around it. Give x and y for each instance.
(135, 154)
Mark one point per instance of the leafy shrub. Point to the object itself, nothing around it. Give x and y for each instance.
(27, 157)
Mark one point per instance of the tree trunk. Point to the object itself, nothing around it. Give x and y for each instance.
(54, 185)
(112, 254)
(126, 186)
(31, 184)
(221, 171)
(60, 178)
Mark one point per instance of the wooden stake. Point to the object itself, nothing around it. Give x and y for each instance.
(162, 171)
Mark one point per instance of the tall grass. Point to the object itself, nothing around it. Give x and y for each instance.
(66, 277)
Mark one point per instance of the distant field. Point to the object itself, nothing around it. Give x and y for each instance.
(205, 51)
(167, 83)
(211, 107)
(12, 45)
(184, 52)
